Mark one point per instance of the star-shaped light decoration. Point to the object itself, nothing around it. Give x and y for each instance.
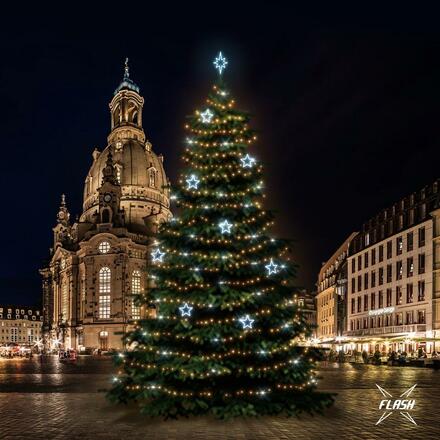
(225, 227)
(246, 321)
(157, 256)
(192, 182)
(271, 267)
(207, 116)
(220, 63)
(247, 161)
(185, 310)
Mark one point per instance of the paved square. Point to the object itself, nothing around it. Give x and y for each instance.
(53, 401)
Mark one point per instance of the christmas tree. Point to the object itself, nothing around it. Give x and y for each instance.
(228, 336)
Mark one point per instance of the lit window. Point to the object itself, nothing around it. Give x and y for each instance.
(118, 173)
(104, 306)
(135, 290)
(64, 302)
(104, 247)
(104, 292)
(104, 280)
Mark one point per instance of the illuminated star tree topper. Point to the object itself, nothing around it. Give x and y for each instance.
(220, 63)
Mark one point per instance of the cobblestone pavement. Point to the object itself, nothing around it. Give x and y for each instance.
(53, 401)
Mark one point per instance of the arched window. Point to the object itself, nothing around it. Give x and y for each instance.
(104, 292)
(152, 177)
(64, 301)
(135, 290)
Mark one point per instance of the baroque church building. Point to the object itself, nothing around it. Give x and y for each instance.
(98, 264)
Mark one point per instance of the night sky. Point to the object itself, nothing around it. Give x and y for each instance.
(346, 104)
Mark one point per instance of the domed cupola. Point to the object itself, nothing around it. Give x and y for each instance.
(139, 171)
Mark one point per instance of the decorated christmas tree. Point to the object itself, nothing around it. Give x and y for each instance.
(228, 337)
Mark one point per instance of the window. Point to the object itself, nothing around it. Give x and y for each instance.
(365, 280)
(409, 267)
(366, 259)
(373, 301)
(365, 325)
(373, 278)
(399, 270)
(399, 245)
(104, 292)
(359, 262)
(423, 210)
(389, 297)
(380, 276)
(373, 256)
(104, 247)
(399, 318)
(371, 322)
(409, 241)
(135, 290)
(64, 301)
(359, 303)
(422, 263)
(380, 253)
(104, 306)
(365, 303)
(353, 265)
(118, 173)
(353, 285)
(421, 291)
(421, 237)
(359, 288)
(389, 249)
(388, 320)
(389, 273)
(409, 317)
(380, 299)
(409, 293)
(152, 177)
(398, 295)
(353, 310)
(367, 239)
(421, 317)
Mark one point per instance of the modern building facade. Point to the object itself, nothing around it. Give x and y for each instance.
(98, 264)
(331, 296)
(20, 325)
(394, 277)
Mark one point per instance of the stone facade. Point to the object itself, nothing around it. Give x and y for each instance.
(20, 325)
(98, 264)
(394, 281)
(331, 298)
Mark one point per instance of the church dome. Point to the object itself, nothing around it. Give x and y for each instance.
(139, 170)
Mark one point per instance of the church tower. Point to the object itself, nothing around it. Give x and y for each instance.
(99, 263)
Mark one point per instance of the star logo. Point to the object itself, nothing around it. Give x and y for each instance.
(207, 116)
(402, 404)
(225, 227)
(271, 267)
(158, 256)
(246, 321)
(186, 310)
(220, 63)
(192, 182)
(247, 161)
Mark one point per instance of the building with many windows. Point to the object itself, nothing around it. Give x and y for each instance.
(331, 296)
(98, 264)
(20, 325)
(394, 278)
